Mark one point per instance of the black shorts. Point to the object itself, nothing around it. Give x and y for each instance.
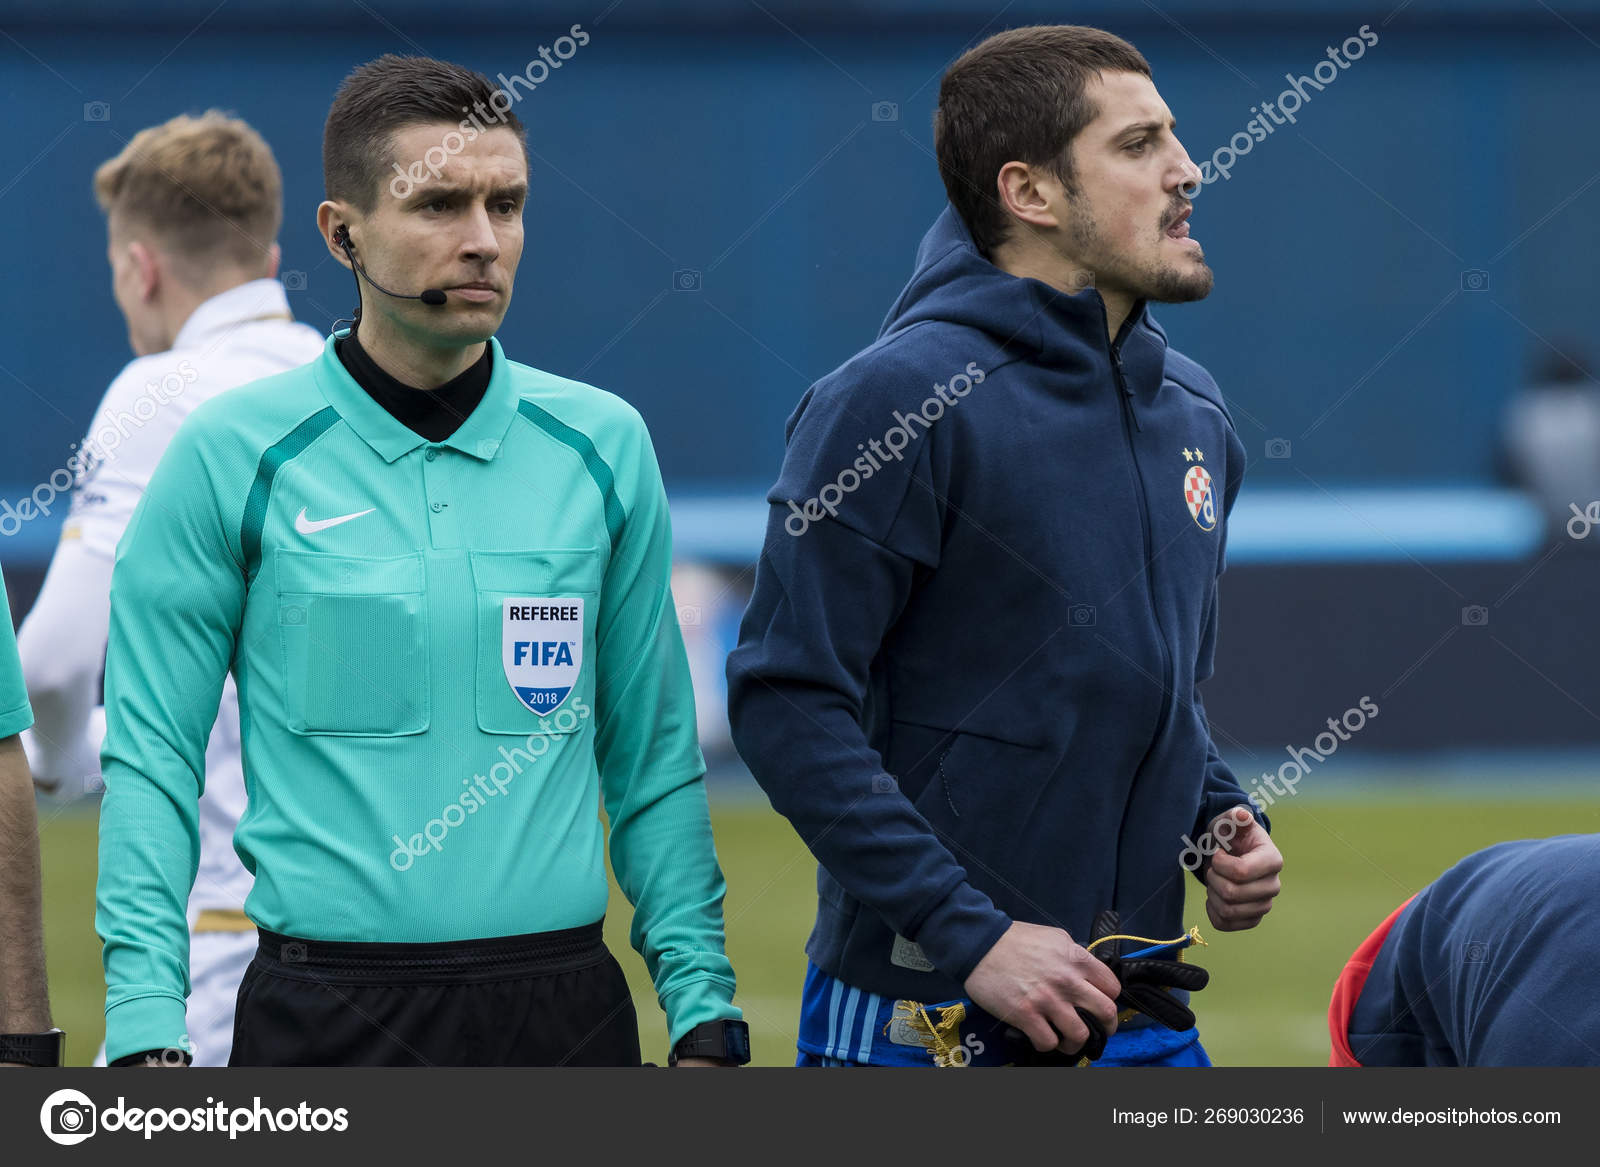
(544, 999)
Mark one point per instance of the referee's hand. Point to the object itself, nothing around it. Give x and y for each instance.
(1242, 880)
(1036, 978)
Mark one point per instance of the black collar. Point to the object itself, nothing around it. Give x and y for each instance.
(435, 414)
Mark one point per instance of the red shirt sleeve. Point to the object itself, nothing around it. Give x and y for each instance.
(1347, 990)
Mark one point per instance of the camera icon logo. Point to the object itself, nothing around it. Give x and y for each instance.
(68, 1117)
(292, 953)
(1278, 448)
(885, 111)
(884, 784)
(1081, 615)
(294, 614)
(1474, 615)
(1477, 951)
(1474, 279)
(686, 280)
(689, 615)
(294, 281)
(97, 111)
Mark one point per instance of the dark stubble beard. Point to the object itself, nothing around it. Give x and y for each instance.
(1163, 283)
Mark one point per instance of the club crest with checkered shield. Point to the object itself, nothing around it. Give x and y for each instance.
(1200, 497)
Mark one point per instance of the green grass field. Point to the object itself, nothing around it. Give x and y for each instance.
(1348, 863)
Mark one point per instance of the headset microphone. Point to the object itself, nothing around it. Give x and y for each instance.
(431, 296)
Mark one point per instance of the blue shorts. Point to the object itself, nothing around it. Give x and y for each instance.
(845, 1026)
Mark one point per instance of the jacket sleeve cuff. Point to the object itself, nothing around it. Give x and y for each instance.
(707, 999)
(960, 930)
(145, 1023)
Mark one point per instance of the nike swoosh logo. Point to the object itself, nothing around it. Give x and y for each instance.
(311, 526)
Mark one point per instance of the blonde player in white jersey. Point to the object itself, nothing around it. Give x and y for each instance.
(193, 208)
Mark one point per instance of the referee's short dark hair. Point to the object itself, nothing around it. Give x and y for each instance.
(394, 92)
(1018, 97)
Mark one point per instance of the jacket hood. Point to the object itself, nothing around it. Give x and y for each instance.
(955, 284)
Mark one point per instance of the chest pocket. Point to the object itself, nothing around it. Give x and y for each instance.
(536, 639)
(354, 632)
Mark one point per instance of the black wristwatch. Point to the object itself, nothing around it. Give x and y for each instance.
(33, 1049)
(727, 1041)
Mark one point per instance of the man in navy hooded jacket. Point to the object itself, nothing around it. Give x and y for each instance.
(967, 674)
(1491, 964)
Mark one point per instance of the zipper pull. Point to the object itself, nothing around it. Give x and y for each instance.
(1127, 393)
(1116, 365)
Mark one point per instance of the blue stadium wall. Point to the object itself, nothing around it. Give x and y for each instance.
(737, 141)
(722, 210)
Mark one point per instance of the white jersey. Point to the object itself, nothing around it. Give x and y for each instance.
(241, 335)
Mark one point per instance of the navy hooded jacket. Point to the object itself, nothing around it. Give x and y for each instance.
(967, 672)
(1492, 964)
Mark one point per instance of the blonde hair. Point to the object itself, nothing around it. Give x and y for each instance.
(207, 187)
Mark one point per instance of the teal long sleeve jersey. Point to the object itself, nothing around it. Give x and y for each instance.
(16, 714)
(446, 654)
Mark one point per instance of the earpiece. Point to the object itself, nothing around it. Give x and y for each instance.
(432, 297)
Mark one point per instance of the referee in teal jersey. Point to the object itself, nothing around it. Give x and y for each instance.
(440, 579)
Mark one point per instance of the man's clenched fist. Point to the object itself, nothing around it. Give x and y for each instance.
(1037, 978)
(1243, 877)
